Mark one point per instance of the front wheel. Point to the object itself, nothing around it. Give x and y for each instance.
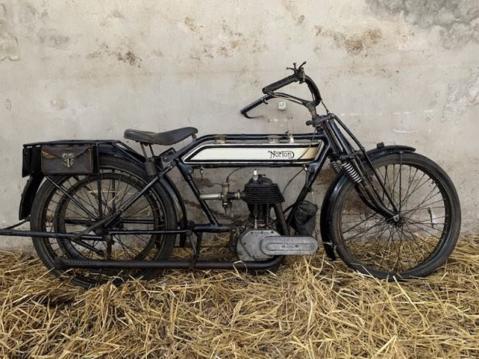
(415, 245)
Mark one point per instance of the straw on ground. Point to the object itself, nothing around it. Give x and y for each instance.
(309, 309)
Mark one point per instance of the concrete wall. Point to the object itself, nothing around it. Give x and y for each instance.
(399, 71)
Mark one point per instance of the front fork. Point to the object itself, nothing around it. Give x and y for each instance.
(370, 196)
(360, 170)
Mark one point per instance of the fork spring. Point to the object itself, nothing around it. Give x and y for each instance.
(336, 166)
(351, 172)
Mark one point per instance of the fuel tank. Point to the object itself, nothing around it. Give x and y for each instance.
(257, 151)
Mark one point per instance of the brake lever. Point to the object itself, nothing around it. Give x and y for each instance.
(294, 68)
(252, 117)
(251, 106)
(298, 71)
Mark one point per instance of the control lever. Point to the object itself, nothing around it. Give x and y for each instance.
(298, 71)
(244, 111)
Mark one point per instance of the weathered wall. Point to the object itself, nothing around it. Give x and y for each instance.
(398, 71)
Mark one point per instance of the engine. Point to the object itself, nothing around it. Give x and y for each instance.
(262, 197)
(265, 233)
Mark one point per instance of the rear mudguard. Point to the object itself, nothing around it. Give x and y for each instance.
(28, 195)
(35, 180)
(336, 186)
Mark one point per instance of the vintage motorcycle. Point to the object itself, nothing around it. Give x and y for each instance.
(100, 210)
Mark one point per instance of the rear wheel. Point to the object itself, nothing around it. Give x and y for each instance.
(72, 204)
(420, 241)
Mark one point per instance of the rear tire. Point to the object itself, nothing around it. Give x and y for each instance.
(56, 210)
(372, 245)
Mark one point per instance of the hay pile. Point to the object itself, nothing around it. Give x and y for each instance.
(308, 309)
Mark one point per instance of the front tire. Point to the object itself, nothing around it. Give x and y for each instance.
(413, 247)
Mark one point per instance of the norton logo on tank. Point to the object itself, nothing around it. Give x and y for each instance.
(281, 155)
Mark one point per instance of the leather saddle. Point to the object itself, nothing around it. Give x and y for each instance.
(160, 138)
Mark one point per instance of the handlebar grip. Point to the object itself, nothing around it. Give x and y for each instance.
(278, 84)
(244, 111)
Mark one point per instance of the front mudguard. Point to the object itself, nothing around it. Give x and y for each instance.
(336, 186)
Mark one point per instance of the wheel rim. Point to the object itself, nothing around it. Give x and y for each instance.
(74, 212)
(378, 245)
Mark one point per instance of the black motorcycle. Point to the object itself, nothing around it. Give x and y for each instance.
(100, 210)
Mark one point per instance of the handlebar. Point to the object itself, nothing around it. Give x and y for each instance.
(297, 76)
(281, 83)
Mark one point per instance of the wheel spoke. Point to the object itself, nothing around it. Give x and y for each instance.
(99, 195)
(364, 232)
(410, 182)
(387, 246)
(126, 247)
(390, 247)
(400, 185)
(406, 198)
(75, 201)
(413, 238)
(358, 224)
(80, 201)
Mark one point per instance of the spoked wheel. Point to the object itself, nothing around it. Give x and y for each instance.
(416, 243)
(73, 204)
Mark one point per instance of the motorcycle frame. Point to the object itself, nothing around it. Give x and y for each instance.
(329, 131)
(171, 159)
(331, 148)
(164, 163)
(174, 159)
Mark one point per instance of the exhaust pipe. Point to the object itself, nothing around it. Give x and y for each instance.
(62, 263)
